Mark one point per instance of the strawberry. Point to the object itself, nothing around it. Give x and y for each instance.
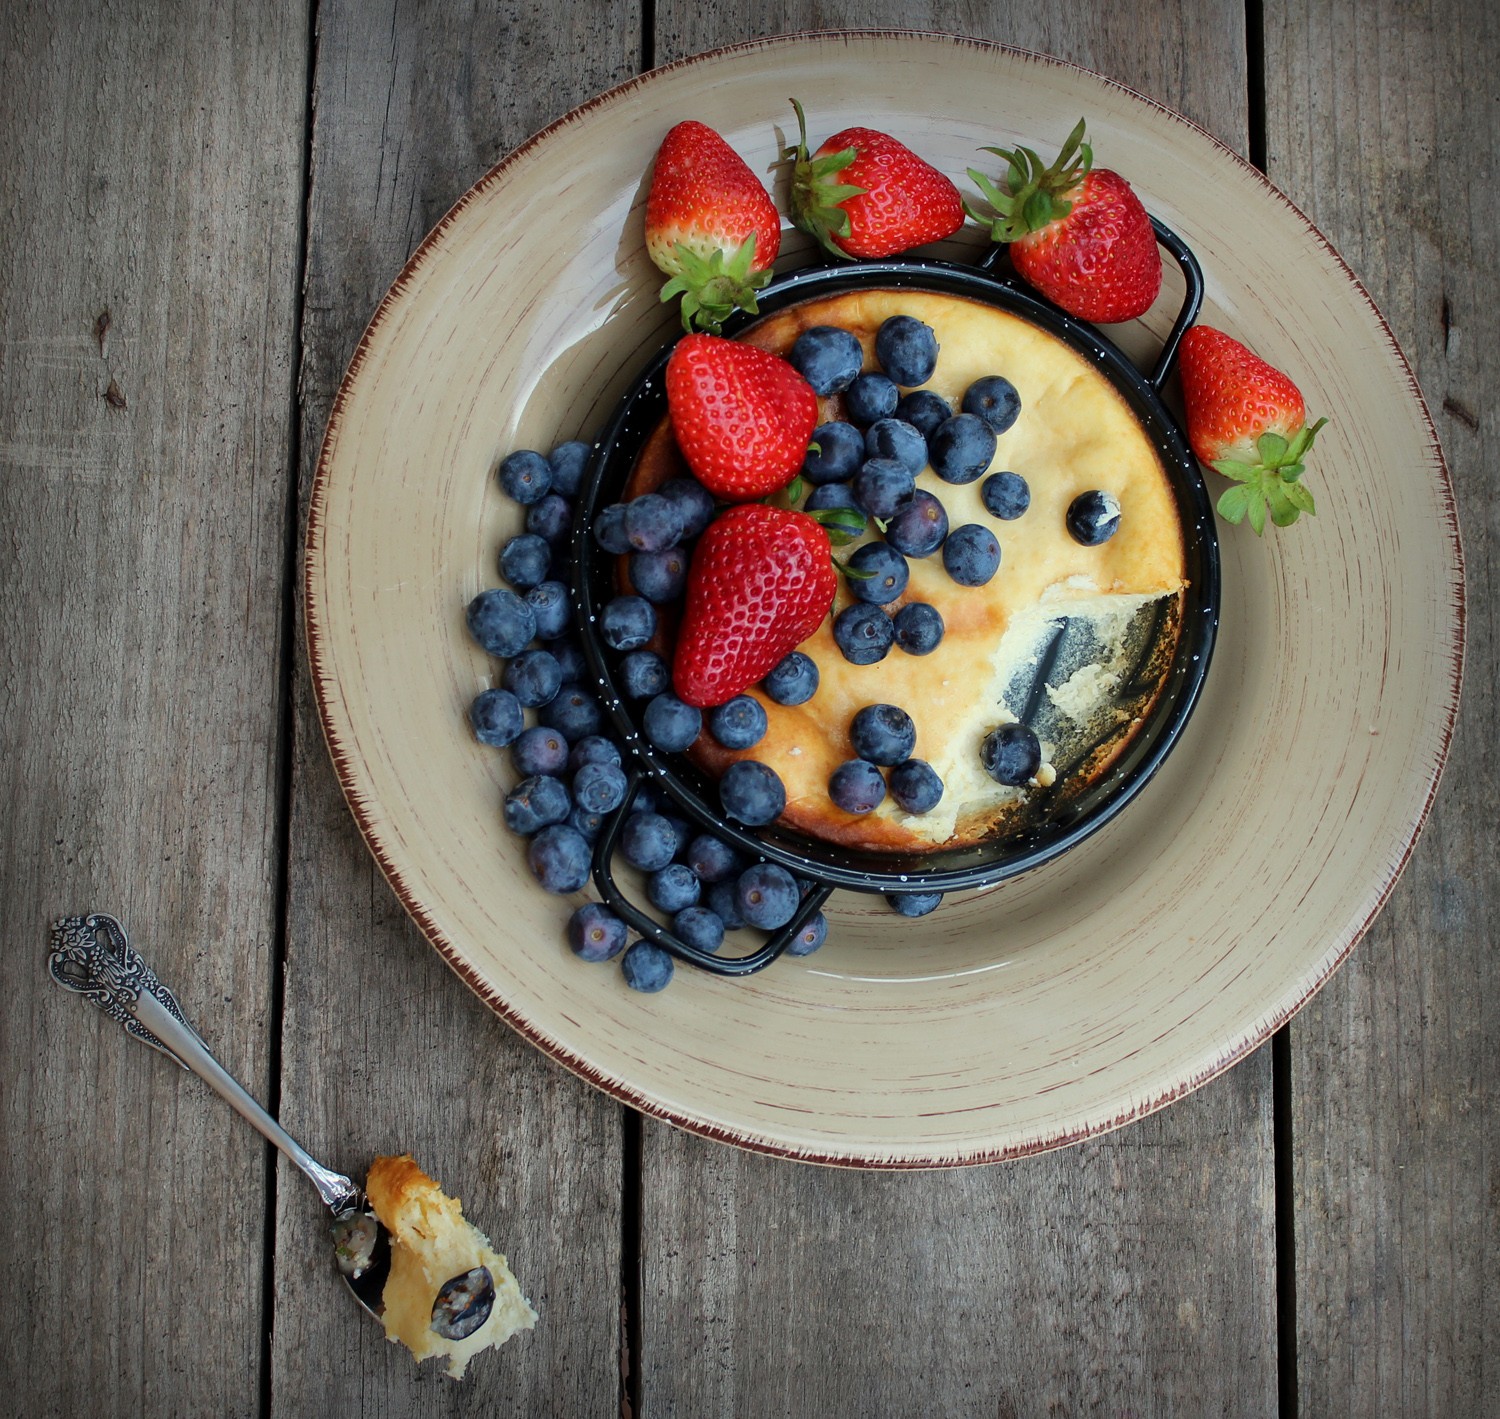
(760, 583)
(1247, 420)
(864, 194)
(1077, 233)
(710, 225)
(743, 417)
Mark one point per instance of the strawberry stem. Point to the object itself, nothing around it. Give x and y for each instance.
(713, 288)
(1272, 485)
(1033, 193)
(816, 195)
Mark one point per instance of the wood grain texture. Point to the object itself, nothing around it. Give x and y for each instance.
(1382, 125)
(1056, 1284)
(150, 193)
(412, 105)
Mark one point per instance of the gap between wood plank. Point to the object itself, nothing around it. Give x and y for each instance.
(286, 728)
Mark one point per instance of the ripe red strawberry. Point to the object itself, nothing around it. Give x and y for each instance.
(1247, 420)
(1079, 234)
(743, 417)
(863, 194)
(761, 582)
(710, 225)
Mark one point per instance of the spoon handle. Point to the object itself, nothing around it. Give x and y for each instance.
(92, 956)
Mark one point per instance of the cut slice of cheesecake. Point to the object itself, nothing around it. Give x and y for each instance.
(433, 1244)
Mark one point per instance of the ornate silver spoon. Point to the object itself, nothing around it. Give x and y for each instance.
(92, 956)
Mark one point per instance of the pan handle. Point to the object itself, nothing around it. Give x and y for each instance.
(652, 930)
(1192, 296)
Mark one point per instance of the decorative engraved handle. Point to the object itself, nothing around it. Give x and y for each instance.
(92, 956)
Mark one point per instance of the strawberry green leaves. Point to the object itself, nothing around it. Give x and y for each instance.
(714, 287)
(1272, 485)
(1035, 193)
(816, 195)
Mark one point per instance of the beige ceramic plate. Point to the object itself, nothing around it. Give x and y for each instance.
(1052, 1007)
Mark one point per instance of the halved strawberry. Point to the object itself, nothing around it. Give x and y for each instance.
(742, 417)
(1079, 234)
(760, 584)
(1247, 420)
(710, 225)
(864, 194)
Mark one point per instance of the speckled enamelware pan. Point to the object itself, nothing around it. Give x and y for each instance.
(1050, 1007)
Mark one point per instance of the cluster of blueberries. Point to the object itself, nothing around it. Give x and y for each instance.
(571, 773)
(870, 461)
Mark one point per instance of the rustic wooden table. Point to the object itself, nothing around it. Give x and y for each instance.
(199, 207)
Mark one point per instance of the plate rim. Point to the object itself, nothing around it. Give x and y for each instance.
(326, 690)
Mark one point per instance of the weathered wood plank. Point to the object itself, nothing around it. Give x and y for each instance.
(1382, 123)
(384, 1049)
(1135, 1273)
(151, 196)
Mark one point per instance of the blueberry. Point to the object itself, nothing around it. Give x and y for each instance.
(646, 967)
(648, 841)
(919, 628)
(539, 751)
(524, 560)
(643, 673)
(646, 800)
(551, 519)
(1011, 755)
(914, 903)
(670, 724)
(971, 555)
(919, 528)
(793, 679)
(589, 824)
(739, 723)
(569, 463)
(883, 486)
(525, 476)
(699, 927)
(533, 677)
(496, 717)
(993, 399)
(863, 633)
(653, 523)
(924, 410)
(673, 888)
(501, 622)
(694, 503)
(560, 859)
(1006, 495)
(766, 895)
(872, 396)
(659, 576)
(724, 905)
(915, 786)
(535, 803)
(570, 661)
(856, 786)
(593, 749)
(883, 734)
(551, 609)
(812, 934)
(827, 358)
(1093, 517)
(683, 833)
(841, 449)
(894, 438)
(595, 933)
(752, 793)
(599, 788)
(830, 495)
(962, 448)
(712, 859)
(627, 622)
(907, 350)
(573, 713)
(880, 571)
(609, 529)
